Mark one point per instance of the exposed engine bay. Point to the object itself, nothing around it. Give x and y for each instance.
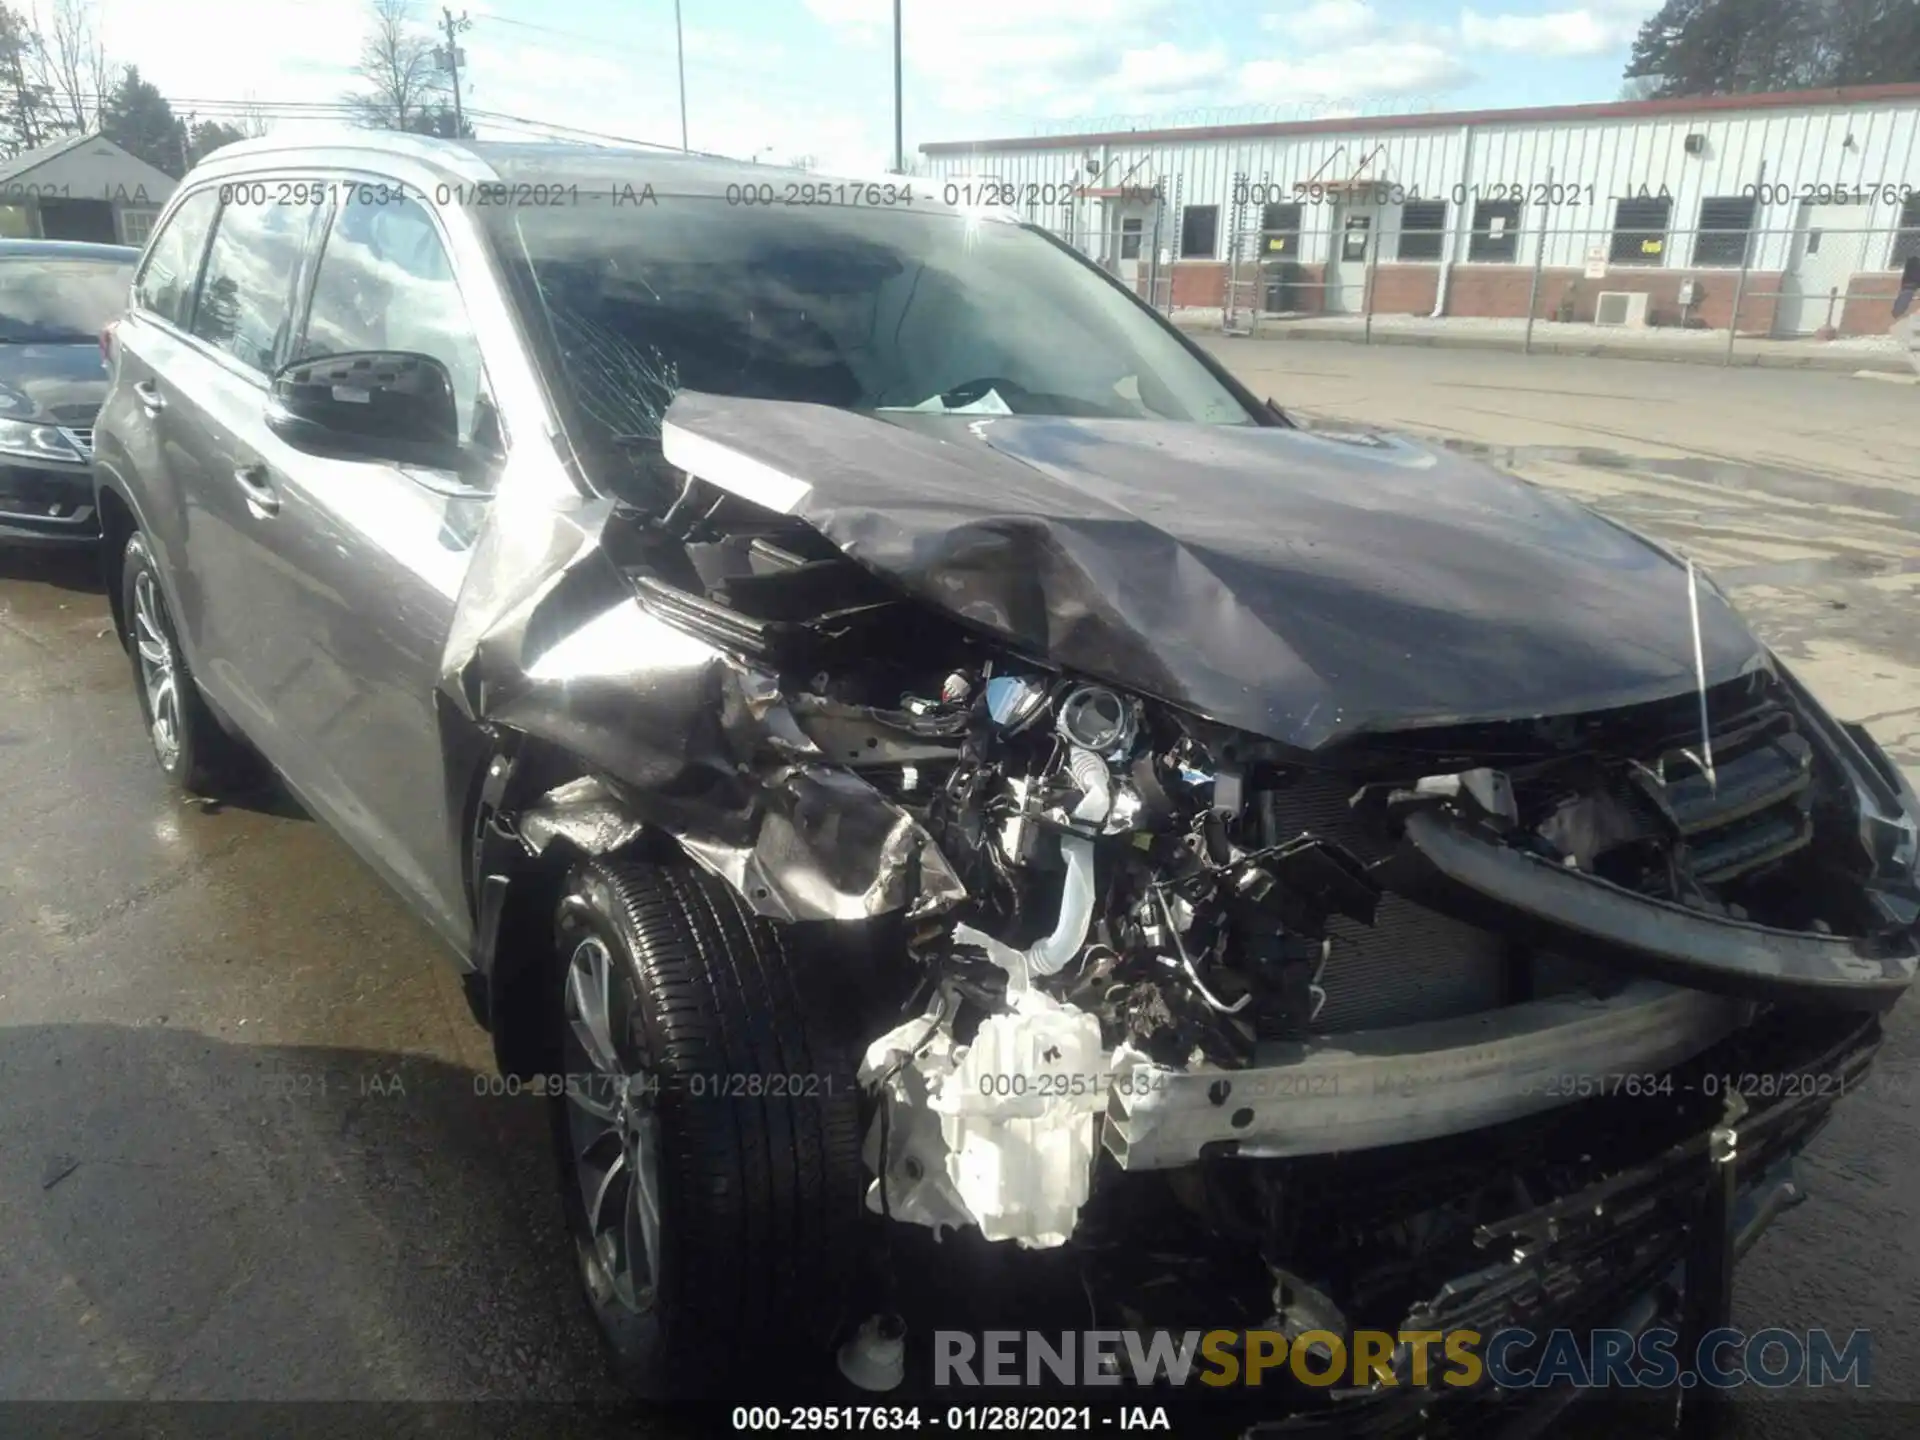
(1164, 929)
(1203, 900)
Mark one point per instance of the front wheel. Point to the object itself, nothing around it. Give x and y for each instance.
(708, 1135)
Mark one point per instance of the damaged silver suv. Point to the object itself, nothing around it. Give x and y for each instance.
(904, 746)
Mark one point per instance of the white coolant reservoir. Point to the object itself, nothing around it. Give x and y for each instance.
(1017, 1111)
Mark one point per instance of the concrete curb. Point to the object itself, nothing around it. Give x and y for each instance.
(1852, 364)
(1887, 375)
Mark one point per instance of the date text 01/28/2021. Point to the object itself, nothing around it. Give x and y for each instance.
(958, 1419)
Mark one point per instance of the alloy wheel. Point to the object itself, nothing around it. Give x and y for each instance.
(159, 675)
(613, 1128)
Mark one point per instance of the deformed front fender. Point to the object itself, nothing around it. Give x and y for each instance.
(552, 640)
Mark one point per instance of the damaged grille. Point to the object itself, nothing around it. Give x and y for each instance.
(1642, 810)
(1681, 814)
(1412, 963)
(1754, 809)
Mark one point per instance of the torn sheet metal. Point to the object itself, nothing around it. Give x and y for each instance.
(584, 812)
(550, 639)
(1299, 586)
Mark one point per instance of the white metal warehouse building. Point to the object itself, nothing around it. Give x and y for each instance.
(1793, 212)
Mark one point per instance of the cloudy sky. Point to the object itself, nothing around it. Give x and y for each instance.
(783, 78)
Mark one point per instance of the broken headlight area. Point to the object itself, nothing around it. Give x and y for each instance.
(1765, 852)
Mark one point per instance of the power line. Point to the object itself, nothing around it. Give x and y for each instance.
(208, 107)
(497, 115)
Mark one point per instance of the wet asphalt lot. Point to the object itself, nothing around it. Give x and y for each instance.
(246, 1146)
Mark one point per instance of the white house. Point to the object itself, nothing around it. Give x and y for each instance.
(84, 187)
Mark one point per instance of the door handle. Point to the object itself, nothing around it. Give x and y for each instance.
(150, 396)
(262, 498)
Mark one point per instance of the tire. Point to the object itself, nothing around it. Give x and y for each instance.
(757, 1195)
(188, 743)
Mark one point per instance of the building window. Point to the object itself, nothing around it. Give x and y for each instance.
(136, 226)
(1280, 229)
(1199, 232)
(1726, 230)
(1640, 231)
(1906, 241)
(1353, 242)
(1423, 229)
(1131, 230)
(1496, 232)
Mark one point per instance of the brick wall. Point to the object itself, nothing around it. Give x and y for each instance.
(1199, 282)
(1502, 290)
(1868, 308)
(1405, 289)
(1569, 294)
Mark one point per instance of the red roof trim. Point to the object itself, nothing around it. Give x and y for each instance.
(1356, 124)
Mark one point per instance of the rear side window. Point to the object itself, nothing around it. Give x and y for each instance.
(165, 286)
(246, 298)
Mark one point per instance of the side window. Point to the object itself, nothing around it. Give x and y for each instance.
(246, 299)
(165, 283)
(386, 283)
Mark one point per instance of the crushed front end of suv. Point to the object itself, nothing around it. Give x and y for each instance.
(946, 762)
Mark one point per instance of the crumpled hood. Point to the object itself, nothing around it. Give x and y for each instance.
(1289, 583)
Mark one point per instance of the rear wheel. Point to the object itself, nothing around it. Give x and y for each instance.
(187, 741)
(708, 1134)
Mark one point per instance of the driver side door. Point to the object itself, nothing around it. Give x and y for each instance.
(362, 561)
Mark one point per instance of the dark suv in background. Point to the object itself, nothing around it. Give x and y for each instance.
(901, 743)
(56, 298)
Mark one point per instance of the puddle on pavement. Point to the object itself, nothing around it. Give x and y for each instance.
(1818, 570)
(1804, 485)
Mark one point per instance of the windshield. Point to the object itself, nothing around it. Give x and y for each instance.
(884, 309)
(51, 301)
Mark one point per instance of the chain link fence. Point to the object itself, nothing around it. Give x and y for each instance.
(1825, 280)
(1522, 265)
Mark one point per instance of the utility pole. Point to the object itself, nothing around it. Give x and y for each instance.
(450, 58)
(680, 50)
(899, 147)
(186, 137)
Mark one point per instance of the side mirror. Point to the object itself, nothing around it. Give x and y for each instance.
(391, 405)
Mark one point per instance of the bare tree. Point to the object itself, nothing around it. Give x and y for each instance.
(68, 62)
(25, 121)
(402, 77)
(253, 118)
